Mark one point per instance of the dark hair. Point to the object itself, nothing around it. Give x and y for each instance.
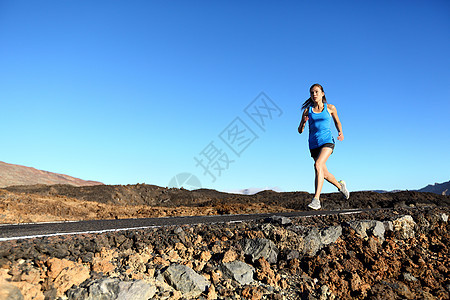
(310, 102)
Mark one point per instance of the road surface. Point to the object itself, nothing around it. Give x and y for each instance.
(31, 230)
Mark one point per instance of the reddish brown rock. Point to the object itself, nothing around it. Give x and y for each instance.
(265, 273)
(63, 274)
(229, 256)
(103, 261)
(216, 276)
(205, 256)
(211, 295)
(252, 293)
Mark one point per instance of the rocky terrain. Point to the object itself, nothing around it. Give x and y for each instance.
(388, 254)
(11, 174)
(397, 252)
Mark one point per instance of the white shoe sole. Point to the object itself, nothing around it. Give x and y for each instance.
(343, 184)
(314, 207)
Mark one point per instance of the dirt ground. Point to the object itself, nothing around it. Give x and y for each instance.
(45, 203)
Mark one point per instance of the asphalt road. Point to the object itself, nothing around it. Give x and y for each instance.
(30, 230)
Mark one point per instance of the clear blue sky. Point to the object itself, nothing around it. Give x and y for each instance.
(129, 92)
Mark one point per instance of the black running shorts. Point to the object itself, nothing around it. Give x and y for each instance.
(316, 151)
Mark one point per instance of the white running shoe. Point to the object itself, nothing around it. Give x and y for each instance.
(315, 204)
(344, 190)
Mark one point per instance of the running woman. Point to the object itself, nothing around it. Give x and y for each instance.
(318, 114)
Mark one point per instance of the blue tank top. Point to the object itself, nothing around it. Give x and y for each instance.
(319, 128)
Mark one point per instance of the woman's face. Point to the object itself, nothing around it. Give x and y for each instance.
(316, 94)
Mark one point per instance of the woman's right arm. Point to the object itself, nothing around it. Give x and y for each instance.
(301, 127)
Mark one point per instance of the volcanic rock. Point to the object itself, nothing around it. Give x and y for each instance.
(239, 271)
(404, 226)
(113, 288)
(257, 248)
(10, 292)
(185, 280)
(63, 274)
(368, 227)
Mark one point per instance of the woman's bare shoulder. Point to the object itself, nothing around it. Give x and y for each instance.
(332, 109)
(331, 106)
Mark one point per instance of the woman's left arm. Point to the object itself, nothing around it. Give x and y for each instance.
(337, 122)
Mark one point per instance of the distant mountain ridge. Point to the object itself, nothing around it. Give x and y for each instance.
(253, 190)
(11, 175)
(437, 188)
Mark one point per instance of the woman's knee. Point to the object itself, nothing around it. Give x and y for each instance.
(319, 166)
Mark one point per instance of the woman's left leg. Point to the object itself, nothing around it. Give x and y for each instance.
(322, 171)
(331, 179)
